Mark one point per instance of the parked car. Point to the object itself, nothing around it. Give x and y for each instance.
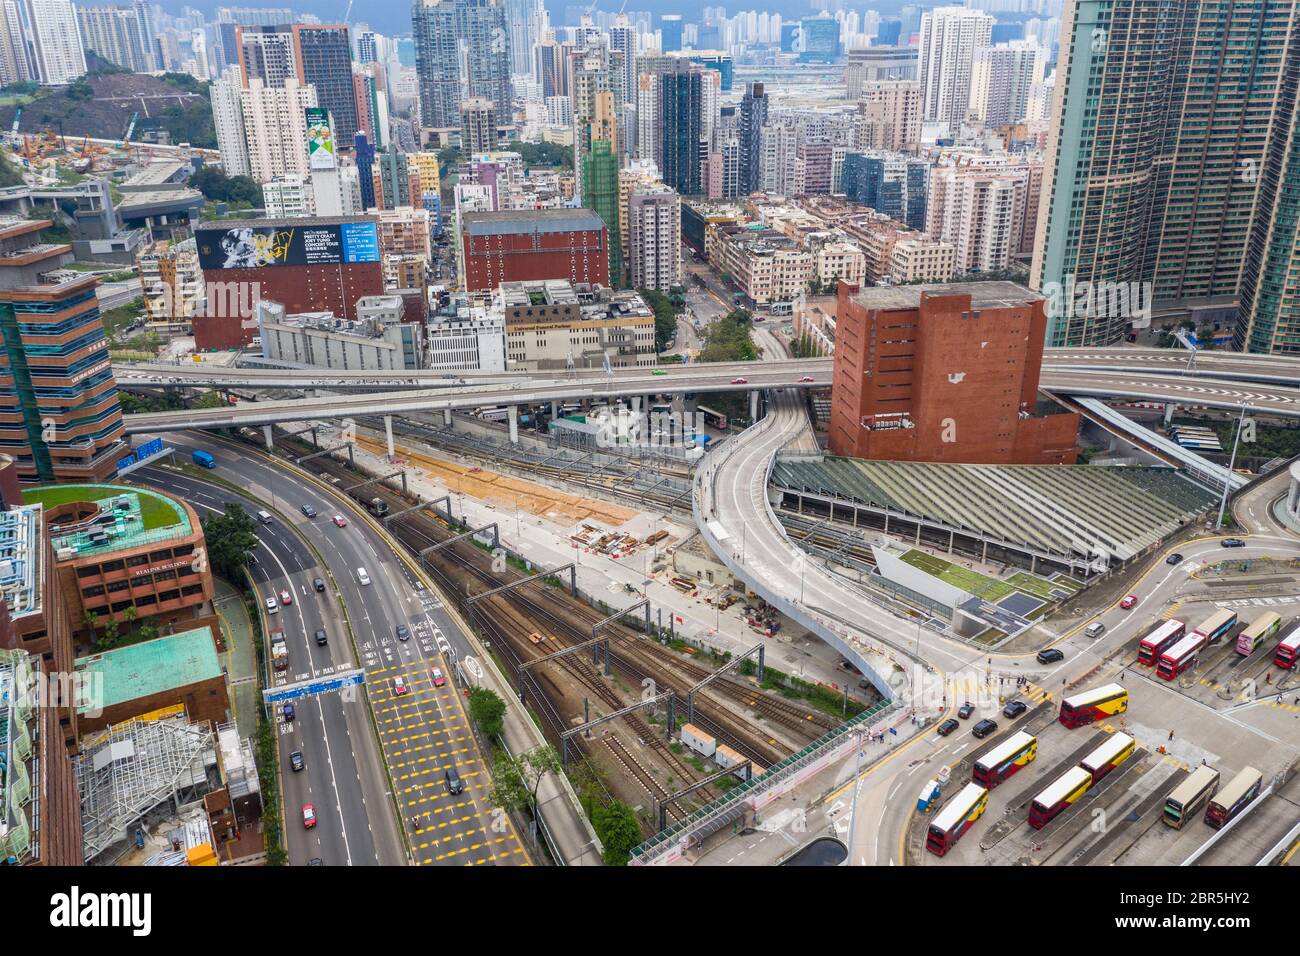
(1233, 543)
(1129, 601)
(1174, 558)
(948, 726)
(1015, 708)
(1050, 655)
(984, 728)
(965, 710)
(295, 761)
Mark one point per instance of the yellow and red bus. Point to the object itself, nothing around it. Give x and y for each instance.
(1288, 652)
(1188, 796)
(1181, 656)
(1158, 641)
(1258, 631)
(1113, 752)
(956, 818)
(1093, 705)
(1005, 759)
(1234, 797)
(1065, 791)
(1214, 627)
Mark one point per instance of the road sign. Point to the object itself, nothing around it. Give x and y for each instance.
(310, 688)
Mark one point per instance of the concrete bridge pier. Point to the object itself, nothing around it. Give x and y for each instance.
(1170, 408)
(268, 434)
(753, 405)
(388, 434)
(555, 410)
(446, 417)
(512, 413)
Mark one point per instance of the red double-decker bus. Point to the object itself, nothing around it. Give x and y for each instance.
(1093, 705)
(1063, 792)
(1288, 652)
(956, 818)
(1005, 759)
(1158, 641)
(1117, 748)
(1181, 656)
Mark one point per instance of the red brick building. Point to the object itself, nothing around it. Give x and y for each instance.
(944, 373)
(318, 264)
(533, 244)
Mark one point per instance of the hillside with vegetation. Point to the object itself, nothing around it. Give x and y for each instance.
(100, 105)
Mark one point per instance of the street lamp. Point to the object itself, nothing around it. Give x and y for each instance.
(1232, 462)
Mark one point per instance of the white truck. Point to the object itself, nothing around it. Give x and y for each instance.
(279, 650)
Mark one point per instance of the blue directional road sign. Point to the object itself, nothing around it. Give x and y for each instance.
(309, 688)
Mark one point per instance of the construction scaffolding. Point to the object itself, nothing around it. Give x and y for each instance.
(134, 767)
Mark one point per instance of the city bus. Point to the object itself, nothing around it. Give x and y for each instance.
(956, 818)
(1066, 790)
(1288, 652)
(1158, 641)
(1233, 798)
(1093, 705)
(1181, 656)
(1216, 625)
(1259, 630)
(711, 418)
(1189, 795)
(1005, 759)
(1118, 748)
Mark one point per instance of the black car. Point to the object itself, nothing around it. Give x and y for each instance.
(295, 761)
(1050, 655)
(402, 633)
(309, 511)
(984, 728)
(318, 584)
(1174, 558)
(315, 861)
(454, 783)
(948, 726)
(1232, 543)
(965, 710)
(321, 638)
(1015, 708)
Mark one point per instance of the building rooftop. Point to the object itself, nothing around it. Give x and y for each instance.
(152, 667)
(155, 174)
(530, 220)
(127, 517)
(983, 295)
(20, 559)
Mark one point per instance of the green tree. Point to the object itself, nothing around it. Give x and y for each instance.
(219, 187)
(515, 780)
(488, 711)
(619, 832)
(230, 536)
(665, 317)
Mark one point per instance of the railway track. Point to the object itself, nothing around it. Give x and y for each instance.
(627, 760)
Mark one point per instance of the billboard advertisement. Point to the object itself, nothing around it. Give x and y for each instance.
(256, 247)
(320, 138)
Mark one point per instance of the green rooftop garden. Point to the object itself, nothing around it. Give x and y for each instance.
(156, 511)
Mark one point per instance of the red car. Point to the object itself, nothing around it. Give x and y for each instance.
(807, 378)
(399, 686)
(308, 816)
(438, 679)
(286, 598)
(341, 521)
(1128, 602)
(740, 381)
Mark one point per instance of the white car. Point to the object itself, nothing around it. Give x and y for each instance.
(272, 606)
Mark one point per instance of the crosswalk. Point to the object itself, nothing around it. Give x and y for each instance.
(1262, 601)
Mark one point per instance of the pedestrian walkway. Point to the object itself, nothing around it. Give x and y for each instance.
(240, 659)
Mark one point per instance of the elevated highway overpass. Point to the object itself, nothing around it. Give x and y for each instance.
(1269, 399)
(1225, 366)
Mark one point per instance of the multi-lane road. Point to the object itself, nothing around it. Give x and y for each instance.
(375, 762)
